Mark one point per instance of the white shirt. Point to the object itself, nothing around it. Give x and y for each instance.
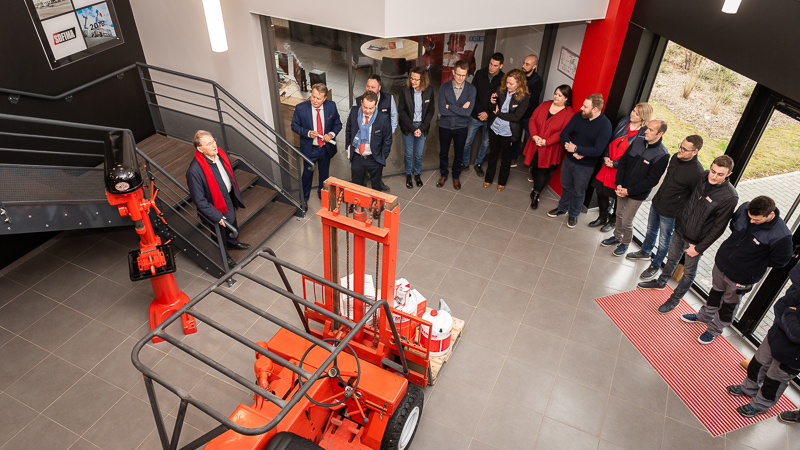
(367, 150)
(314, 121)
(223, 173)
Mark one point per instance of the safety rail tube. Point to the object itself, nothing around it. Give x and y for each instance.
(71, 91)
(188, 308)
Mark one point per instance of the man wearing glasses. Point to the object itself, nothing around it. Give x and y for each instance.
(213, 187)
(456, 100)
(683, 171)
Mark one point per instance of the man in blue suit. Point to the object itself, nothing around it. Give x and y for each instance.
(317, 122)
(213, 187)
(368, 137)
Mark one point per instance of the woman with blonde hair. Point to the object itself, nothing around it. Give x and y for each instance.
(415, 111)
(626, 131)
(510, 101)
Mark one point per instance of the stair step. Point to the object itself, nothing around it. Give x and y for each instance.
(254, 200)
(261, 227)
(244, 179)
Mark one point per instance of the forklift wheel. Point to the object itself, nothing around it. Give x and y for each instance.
(290, 441)
(403, 424)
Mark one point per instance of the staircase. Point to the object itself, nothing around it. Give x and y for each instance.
(35, 196)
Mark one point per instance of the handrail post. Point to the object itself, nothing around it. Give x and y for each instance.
(302, 198)
(221, 120)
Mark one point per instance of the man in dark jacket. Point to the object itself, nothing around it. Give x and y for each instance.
(701, 222)
(683, 171)
(213, 187)
(486, 82)
(534, 82)
(369, 140)
(456, 100)
(776, 362)
(759, 239)
(638, 172)
(585, 139)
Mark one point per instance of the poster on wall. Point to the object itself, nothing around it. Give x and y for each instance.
(71, 30)
(568, 62)
(461, 47)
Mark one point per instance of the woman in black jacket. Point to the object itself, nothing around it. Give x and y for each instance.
(415, 111)
(510, 101)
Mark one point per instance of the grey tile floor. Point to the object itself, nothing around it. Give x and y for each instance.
(539, 366)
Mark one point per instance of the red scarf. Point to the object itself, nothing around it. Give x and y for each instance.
(217, 195)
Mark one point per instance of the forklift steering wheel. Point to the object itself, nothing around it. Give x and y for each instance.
(334, 372)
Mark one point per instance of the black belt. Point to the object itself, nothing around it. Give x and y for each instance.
(365, 156)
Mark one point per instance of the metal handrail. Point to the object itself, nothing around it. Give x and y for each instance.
(71, 91)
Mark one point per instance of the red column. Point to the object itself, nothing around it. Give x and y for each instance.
(602, 45)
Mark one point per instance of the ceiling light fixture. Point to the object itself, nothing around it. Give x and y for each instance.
(731, 6)
(216, 26)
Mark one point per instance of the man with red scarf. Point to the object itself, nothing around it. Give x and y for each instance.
(212, 185)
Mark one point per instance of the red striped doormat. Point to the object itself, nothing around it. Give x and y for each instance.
(697, 373)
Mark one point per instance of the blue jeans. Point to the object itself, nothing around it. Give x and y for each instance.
(414, 146)
(474, 126)
(661, 226)
(574, 180)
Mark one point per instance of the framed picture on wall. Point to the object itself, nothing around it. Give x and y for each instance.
(568, 62)
(71, 30)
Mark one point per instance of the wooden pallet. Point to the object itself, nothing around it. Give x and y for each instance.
(437, 362)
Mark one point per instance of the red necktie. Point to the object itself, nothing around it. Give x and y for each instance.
(319, 128)
(363, 144)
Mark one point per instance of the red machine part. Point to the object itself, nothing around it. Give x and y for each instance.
(168, 297)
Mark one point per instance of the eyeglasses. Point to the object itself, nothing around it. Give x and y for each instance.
(416, 79)
(211, 142)
(682, 149)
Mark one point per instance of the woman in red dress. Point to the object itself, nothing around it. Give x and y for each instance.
(544, 151)
(627, 129)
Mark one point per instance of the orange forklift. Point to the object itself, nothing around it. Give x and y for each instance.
(345, 373)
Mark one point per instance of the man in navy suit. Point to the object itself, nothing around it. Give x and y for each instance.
(317, 122)
(213, 187)
(368, 137)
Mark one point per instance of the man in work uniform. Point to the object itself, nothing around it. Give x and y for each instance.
(759, 239)
(701, 222)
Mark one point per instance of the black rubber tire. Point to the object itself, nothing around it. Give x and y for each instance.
(413, 400)
(290, 441)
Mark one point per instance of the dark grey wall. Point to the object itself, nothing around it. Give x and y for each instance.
(116, 103)
(760, 42)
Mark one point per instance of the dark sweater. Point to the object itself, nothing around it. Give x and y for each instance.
(484, 90)
(591, 137)
(750, 249)
(534, 91)
(784, 335)
(707, 211)
(677, 185)
(452, 114)
(641, 166)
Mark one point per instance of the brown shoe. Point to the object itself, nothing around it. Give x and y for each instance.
(486, 185)
(441, 182)
(500, 188)
(456, 184)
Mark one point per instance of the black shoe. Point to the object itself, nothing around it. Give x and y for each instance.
(572, 221)
(384, 187)
(790, 416)
(464, 168)
(239, 246)
(555, 212)
(418, 180)
(650, 273)
(534, 199)
(409, 184)
(479, 171)
(638, 255)
(231, 263)
(651, 284)
(669, 305)
(610, 225)
(600, 221)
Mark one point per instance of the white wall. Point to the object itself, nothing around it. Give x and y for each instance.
(570, 35)
(517, 43)
(174, 34)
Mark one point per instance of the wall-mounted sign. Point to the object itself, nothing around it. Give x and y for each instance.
(568, 62)
(74, 29)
